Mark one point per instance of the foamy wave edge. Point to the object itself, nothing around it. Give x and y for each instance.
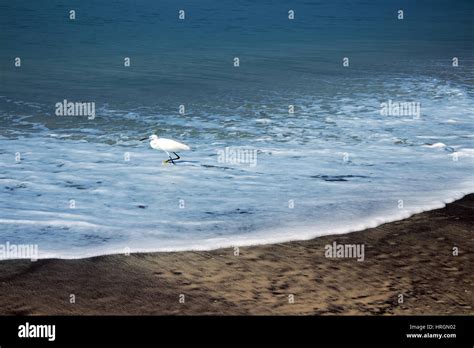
(260, 238)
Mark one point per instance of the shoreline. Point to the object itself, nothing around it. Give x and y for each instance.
(257, 242)
(412, 257)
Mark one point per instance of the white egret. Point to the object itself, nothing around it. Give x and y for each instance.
(167, 145)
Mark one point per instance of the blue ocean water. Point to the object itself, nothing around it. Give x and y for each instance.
(336, 164)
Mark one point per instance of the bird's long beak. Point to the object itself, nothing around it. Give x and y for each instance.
(144, 139)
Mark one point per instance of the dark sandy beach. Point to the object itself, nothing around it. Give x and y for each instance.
(413, 257)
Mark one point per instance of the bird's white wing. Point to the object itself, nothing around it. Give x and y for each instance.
(172, 145)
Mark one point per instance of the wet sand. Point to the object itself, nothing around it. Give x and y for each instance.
(413, 257)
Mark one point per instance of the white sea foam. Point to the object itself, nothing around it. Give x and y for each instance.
(275, 235)
(436, 146)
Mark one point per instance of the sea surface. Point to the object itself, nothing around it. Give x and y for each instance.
(78, 186)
